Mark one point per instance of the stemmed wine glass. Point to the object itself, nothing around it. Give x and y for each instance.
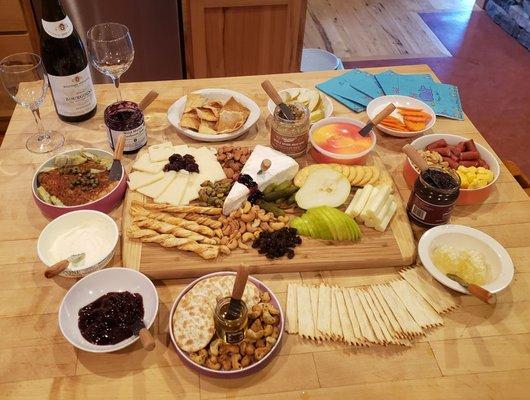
(111, 50)
(24, 79)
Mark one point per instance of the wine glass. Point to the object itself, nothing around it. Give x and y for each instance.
(111, 50)
(24, 79)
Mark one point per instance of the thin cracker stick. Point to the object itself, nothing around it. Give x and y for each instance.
(345, 323)
(336, 328)
(386, 309)
(366, 329)
(432, 291)
(420, 310)
(291, 323)
(306, 329)
(407, 323)
(324, 311)
(394, 337)
(382, 338)
(359, 341)
(313, 291)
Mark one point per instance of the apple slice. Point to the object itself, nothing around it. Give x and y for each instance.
(322, 226)
(323, 187)
(314, 98)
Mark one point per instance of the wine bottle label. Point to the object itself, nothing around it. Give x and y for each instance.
(134, 138)
(73, 94)
(58, 29)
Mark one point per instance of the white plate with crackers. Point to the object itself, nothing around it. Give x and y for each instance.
(192, 328)
(213, 115)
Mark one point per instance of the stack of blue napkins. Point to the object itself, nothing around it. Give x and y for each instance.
(356, 88)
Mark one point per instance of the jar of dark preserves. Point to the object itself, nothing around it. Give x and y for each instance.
(433, 197)
(125, 117)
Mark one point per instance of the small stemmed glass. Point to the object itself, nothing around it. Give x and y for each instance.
(24, 79)
(111, 50)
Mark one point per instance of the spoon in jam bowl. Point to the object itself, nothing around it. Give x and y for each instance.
(60, 266)
(146, 338)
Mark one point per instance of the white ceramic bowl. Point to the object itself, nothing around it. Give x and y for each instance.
(96, 285)
(51, 249)
(174, 113)
(234, 373)
(465, 238)
(377, 105)
(327, 103)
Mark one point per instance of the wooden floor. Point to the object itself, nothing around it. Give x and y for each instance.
(376, 29)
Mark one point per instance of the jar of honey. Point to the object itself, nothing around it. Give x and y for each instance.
(290, 136)
(433, 197)
(230, 330)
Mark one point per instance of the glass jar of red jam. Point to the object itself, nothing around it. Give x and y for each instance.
(433, 197)
(125, 117)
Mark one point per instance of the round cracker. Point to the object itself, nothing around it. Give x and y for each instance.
(359, 177)
(345, 170)
(193, 323)
(352, 175)
(368, 172)
(376, 173)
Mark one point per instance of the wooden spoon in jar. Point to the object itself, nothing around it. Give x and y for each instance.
(415, 157)
(277, 99)
(147, 100)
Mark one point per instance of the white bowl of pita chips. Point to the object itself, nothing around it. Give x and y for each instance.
(213, 115)
(192, 327)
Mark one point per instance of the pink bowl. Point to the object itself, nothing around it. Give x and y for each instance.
(235, 373)
(103, 204)
(324, 156)
(467, 196)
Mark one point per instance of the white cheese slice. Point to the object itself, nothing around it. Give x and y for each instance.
(353, 202)
(160, 152)
(361, 203)
(138, 179)
(209, 169)
(382, 225)
(174, 192)
(378, 201)
(282, 168)
(363, 215)
(181, 149)
(143, 163)
(155, 189)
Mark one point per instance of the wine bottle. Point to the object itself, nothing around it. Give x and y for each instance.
(66, 64)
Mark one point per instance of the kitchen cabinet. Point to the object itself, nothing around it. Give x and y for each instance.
(243, 37)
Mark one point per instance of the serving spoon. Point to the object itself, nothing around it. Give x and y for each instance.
(60, 266)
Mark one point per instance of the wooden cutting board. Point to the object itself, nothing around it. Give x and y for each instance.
(394, 247)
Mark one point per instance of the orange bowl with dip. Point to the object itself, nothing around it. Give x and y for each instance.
(337, 140)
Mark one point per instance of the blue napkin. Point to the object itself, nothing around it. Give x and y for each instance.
(447, 101)
(364, 82)
(348, 103)
(388, 81)
(340, 89)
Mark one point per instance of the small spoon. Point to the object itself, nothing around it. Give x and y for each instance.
(147, 100)
(277, 99)
(60, 266)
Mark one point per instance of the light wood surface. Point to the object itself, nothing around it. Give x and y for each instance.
(243, 37)
(481, 352)
(313, 255)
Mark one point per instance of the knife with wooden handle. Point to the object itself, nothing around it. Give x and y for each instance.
(385, 112)
(478, 291)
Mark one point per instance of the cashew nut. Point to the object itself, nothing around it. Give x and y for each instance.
(224, 249)
(214, 346)
(232, 244)
(246, 207)
(266, 217)
(256, 325)
(218, 233)
(251, 216)
(242, 227)
(277, 225)
(224, 240)
(247, 236)
(242, 245)
(235, 361)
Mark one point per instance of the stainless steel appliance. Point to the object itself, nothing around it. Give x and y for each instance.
(155, 27)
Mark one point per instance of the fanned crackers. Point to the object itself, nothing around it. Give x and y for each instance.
(385, 314)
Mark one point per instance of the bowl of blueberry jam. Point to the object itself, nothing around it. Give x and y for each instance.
(101, 312)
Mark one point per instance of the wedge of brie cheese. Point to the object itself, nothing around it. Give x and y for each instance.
(282, 168)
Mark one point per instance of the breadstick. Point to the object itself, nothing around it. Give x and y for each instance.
(206, 251)
(170, 219)
(164, 227)
(179, 209)
(203, 220)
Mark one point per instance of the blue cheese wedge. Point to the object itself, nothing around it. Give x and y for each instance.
(282, 168)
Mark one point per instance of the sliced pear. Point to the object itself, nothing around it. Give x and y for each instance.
(286, 96)
(316, 116)
(293, 93)
(321, 225)
(304, 97)
(323, 187)
(314, 99)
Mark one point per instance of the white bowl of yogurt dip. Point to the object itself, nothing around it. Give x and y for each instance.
(86, 231)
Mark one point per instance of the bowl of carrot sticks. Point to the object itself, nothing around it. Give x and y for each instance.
(412, 117)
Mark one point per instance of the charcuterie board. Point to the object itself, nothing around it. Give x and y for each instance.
(393, 247)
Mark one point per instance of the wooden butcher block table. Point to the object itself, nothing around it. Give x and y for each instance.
(481, 351)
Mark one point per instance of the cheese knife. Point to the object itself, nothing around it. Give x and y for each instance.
(146, 338)
(385, 112)
(277, 99)
(478, 291)
(235, 306)
(116, 169)
(60, 266)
